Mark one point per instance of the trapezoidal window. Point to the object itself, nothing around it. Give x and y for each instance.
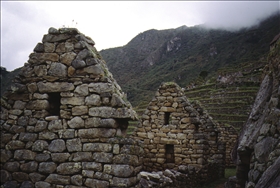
(169, 153)
(166, 118)
(54, 100)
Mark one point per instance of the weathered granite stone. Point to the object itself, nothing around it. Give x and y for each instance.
(40, 126)
(95, 70)
(82, 90)
(96, 183)
(38, 105)
(15, 144)
(54, 87)
(78, 63)
(93, 100)
(74, 145)
(49, 47)
(57, 69)
(43, 57)
(55, 125)
(40, 145)
(81, 156)
(77, 180)
(69, 168)
(79, 110)
(42, 157)
(92, 166)
(67, 58)
(24, 155)
(102, 157)
(76, 122)
(76, 101)
(12, 166)
(96, 133)
(42, 184)
(36, 177)
(119, 170)
(60, 157)
(60, 48)
(27, 137)
(19, 105)
(39, 47)
(97, 147)
(58, 179)
(40, 70)
(47, 135)
(55, 38)
(29, 167)
(57, 145)
(47, 167)
(20, 176)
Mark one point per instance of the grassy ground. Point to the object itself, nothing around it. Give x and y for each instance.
(220, 183)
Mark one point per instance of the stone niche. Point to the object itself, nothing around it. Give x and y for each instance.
(64, 120)
(179, 135)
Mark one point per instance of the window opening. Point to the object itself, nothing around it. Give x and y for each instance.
(169, 153)
(54, 100)
(166, 118)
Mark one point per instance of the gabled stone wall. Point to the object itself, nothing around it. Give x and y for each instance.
(64, 120)
(178, 135)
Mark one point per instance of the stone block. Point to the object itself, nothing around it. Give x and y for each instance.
(38, 105)
(96, 183)
(67, 58)
(118, 170)
(124, 182)
(60, 157)
(24, 155)
(75, 101)
(97, 147)
(47, 167)
(92, 166)
(74, 145)
(69, 168)
(58, 179)
(42, 157)
(102, 157)
(57, 145)
(45, 87)
(81, 156)
(79, 110)
(55, 125)
(96, 133)
(40, 145)
(76, 123)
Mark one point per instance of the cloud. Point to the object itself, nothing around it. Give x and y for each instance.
(114, 23)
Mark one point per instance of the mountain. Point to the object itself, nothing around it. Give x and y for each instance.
(184, 53)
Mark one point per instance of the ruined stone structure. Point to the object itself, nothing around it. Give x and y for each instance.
(259, 142)
(179, 135)
(63, 122)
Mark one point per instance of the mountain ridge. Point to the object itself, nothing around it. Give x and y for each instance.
(181, 54)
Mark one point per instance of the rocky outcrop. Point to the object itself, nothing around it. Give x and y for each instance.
(259, 143)
(64, 120)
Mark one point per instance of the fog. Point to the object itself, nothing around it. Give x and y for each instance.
(114, 23)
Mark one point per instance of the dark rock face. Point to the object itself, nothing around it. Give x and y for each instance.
(259, 146)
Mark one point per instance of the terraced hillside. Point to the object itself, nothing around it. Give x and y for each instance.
(229, 104)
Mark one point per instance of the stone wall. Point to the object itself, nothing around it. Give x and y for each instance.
(63, 122)
(179, 135)
(259, 143)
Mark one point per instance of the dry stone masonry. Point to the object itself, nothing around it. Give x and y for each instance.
(180, 136)
(258, 152)
(64, 120)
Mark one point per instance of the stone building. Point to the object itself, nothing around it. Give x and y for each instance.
(179, 135)
(63, 122)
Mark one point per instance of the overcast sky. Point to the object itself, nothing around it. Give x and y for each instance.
(114, 23)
